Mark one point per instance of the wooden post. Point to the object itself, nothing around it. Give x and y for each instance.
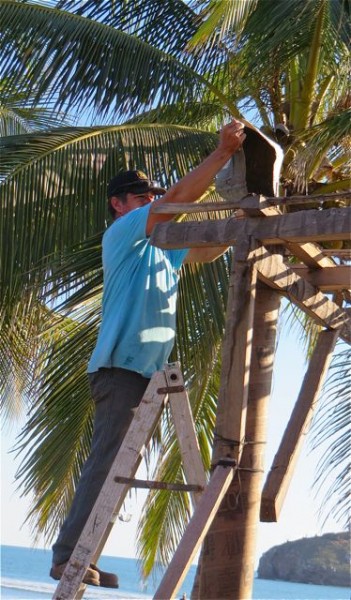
(217, 553)
(236, 356)
(227, 568)
(252, 462)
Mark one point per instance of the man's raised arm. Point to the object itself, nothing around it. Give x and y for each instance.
(194, 184)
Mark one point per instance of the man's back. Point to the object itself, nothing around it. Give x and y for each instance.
(139, 301)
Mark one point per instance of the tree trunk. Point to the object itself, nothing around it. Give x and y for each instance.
(227, 558)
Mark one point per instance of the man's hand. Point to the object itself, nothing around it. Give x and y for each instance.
(195, 183)
(232, 136)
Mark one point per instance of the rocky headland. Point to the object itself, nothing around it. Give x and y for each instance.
(321, 560)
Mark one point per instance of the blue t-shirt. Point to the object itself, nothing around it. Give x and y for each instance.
(139, 300)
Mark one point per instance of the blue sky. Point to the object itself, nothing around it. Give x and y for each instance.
(299, 516)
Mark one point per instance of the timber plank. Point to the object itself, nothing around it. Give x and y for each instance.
(328, 279)
(274, 272)
(195, 532)
(282, 469)
(311, 254)
(300, 227)
(251, 201)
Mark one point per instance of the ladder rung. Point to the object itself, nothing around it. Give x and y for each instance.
(159, 485)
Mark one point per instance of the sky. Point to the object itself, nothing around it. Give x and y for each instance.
(299, 516)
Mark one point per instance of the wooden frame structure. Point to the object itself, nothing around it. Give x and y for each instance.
(227, 508)
(276, 254)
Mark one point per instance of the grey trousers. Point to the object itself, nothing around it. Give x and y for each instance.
(116, 393)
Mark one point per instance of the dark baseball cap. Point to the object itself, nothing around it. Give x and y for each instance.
(135, 182)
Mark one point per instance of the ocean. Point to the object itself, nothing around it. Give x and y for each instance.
(24, 576)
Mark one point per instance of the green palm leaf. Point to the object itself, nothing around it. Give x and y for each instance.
(56, 183)
(331, 432)
(223, 22)
(97, 68)
(56, 438)
(327, 139)
(71, 200)
(284, 30)
(19, 115)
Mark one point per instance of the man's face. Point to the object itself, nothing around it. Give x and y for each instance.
(133, 201)
(138, 200)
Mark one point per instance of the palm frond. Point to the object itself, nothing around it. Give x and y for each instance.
(329, 139)
(18, 113)
(55, 441)
(165, 24)
(331, 434)
(282, 31)
(66, 205)
(19, 350)
(222, 23)
(207, 114)
(101, 69)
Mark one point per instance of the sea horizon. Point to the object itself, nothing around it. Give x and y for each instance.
(25, 576)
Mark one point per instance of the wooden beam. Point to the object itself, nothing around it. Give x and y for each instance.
(311, 254)
(229, 546)
(300, 227)
(236, 358)
(343, 253)
(329, 279)
(195, 532)
(274, 273)
(279, 477)
(249, 202)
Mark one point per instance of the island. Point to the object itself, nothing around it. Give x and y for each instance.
(321, 560)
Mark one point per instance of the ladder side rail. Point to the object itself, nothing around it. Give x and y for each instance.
(186, 433)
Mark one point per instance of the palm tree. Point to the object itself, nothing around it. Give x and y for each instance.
(159, 76)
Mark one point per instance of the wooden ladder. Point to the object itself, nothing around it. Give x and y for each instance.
(165, 387)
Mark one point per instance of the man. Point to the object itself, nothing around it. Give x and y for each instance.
(138, 323)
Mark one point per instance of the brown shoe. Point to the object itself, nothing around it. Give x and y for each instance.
(108, 580)
(91, 576)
